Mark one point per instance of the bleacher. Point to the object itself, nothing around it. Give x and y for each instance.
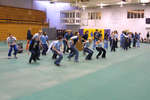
(18, 20)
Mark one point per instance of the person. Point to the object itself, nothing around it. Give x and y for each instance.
(148, 35)
(95, 39)
(122, 39)
(129, 39)
(113, 42)
(116, 38)
(34, 48)
(106, 40)
(56, 49)
(11, 40)
(67, 37)
(72, 45)
(50, 49)
(100, 49)
(134, 36)
(38, 35)
(85, 38)
(138, 40)
(126, 41)
(29, 37)
(87, 49)
(44, 42)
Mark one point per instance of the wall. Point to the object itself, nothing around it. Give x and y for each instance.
(115, 18)
(18, 3)
(52, 11)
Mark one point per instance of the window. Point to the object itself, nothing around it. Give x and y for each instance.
(94, 15)
(133, 14)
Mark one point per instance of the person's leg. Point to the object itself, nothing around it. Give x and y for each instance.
(33, 56)
(15, 50)
(94, 44)
(65, 44)
(72, 53)
(59, 59)
(100, 52)
(76, 54)
(43, 51)
(104, 52)
(46, 48)
(90, 53)
(10, 50)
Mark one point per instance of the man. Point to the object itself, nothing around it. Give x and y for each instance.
(12, 44)
(56, 48)
(38, 35)
(67, 37)
(74, 51)
(95, 39)
(29, 37)
(45, 43)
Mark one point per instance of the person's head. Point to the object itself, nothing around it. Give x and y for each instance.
(96, 30)
(40, 32)
(76, 34)
(86, 32)
(44, 33)
(60, 38)
(10, 35)
(100, 31)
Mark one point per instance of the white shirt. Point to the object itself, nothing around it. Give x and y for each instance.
(12, 40)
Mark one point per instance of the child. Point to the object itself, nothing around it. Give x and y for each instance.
(74, 50)
(12, 44)
(100, 49)
(56, 48)
(34, 48)
(45, 43)
(86, 49)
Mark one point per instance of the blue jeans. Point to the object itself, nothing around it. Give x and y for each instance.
(59, 59)
(90, 53)
(138, 43)
(73, 52)
(106, 44)
(94, 44)
(45, 48)
(11, 48)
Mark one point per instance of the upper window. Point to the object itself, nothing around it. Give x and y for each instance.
(94, 15)
(132, 14)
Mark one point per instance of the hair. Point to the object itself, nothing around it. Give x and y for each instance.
(76, 33)
(59, 37)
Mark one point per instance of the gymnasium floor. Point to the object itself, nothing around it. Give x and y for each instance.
(124, 75)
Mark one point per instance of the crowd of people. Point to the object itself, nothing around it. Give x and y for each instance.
(67, 44)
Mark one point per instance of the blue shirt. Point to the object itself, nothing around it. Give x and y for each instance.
(57, 45)
(68, 36)
(44, 39)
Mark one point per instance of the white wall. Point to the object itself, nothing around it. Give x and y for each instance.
(115, 18)
(52, 11)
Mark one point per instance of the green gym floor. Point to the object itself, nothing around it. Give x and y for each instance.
(123, 75)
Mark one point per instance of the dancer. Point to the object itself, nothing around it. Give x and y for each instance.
(74, 51)
(87, 49)
(56, 48)
(106, 40)
(11, 40)
(45, 43)
(34, 48)
(100, 49)
(29, 37)
(67, 37)
(113, 42)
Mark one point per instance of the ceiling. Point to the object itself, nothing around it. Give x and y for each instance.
(94, 3)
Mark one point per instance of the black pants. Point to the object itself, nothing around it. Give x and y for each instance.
(116, 43)
(34, 56)
(134, 42)
(100, 50)
(90, 53)
(66, 48)
(113, 48)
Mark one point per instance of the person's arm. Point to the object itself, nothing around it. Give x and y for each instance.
(53, 47)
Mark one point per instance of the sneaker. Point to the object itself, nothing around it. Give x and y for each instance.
(57, 64)
(9, 57)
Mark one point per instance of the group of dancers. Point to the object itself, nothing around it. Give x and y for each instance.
(68, 44)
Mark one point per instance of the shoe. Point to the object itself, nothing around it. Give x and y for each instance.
(15, 57)
(9, 57)
(38, 58)
(57, 64)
